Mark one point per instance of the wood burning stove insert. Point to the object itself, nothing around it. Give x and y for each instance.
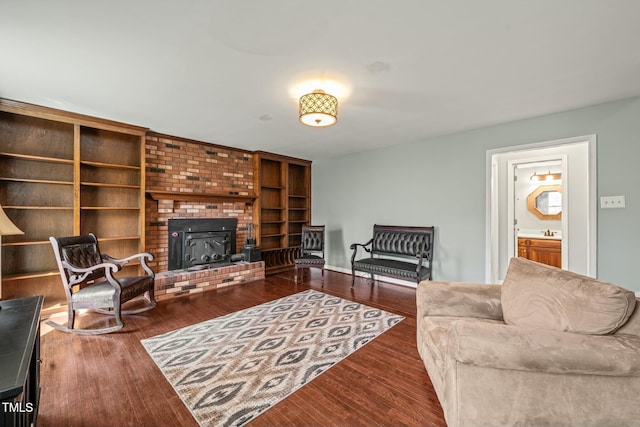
(201, 242)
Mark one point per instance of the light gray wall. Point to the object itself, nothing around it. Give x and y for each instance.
(441, 182)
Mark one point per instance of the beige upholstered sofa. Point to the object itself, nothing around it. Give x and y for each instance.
(546, 348)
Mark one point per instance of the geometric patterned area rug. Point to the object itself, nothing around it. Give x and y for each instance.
(230, 369)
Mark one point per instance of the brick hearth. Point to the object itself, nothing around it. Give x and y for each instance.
(171, 284)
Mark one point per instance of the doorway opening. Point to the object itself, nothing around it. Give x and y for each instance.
(537, 209)
(576, 160)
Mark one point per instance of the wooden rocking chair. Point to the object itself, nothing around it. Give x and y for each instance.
(89, 281)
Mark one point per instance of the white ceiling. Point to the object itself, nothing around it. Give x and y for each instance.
(225, 71)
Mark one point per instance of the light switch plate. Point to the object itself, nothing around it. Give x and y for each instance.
(612, 202)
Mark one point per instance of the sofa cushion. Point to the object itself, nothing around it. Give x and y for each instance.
(496, 345)
(540, 296)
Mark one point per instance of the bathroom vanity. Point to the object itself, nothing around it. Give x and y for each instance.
(541, 248)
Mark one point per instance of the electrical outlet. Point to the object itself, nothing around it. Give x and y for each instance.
(612, 202)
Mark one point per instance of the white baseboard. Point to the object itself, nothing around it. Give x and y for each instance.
(367, 275)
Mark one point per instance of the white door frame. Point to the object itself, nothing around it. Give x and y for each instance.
(511, 216)
(492, 244)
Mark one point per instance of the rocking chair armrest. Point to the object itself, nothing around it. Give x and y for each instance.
(76, 269)
(79, 274)
(144, 256)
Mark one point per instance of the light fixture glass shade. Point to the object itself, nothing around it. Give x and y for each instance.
(318, 109)
(7, 228)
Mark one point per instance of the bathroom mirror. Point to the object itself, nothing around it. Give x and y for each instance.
(546, 202)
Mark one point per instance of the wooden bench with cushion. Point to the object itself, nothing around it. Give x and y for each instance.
(391, 242)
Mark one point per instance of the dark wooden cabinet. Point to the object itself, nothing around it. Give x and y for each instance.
(283, 206)
(20, 361)
(545, 251)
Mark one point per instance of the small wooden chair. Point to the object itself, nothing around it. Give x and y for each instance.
(89, 281)
(311, 250)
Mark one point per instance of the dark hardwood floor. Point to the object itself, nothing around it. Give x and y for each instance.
(109, 380)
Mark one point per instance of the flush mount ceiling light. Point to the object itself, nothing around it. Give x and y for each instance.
(318, 109)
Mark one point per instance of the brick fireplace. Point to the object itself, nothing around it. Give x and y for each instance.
(191, 179)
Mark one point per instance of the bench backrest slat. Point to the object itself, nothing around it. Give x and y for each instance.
(402, 241)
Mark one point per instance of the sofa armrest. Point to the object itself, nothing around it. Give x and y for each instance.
(459, 299)
(632, 327)
(501, 346)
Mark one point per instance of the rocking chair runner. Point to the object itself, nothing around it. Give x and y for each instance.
(89, 281)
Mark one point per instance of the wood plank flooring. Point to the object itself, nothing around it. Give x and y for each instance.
(110, 380)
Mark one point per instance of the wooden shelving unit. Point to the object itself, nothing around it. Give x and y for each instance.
(62, 174)
(283, 206)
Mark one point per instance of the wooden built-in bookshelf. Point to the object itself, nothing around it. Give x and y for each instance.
(283, 206)
(65, 174)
